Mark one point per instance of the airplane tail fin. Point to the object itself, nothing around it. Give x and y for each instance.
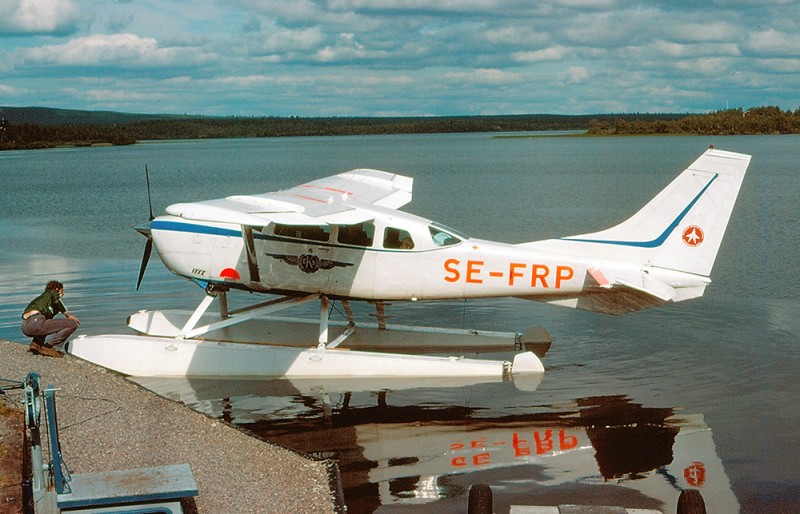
(681, 229)
(676, 236)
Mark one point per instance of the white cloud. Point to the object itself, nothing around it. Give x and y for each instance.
(305, 13)
(677, 50)
(706, 31)
(555, 53)
(348, 49)
(468, 6)
(295, 81)
(38, 16)
(8, 90)
(576, 75)
(667, 92)
(780, 65)
(516, 36)
(414, 5)
(709, 66)
(609, 29)
(492, 77)
(276, 39)
(774, 42)
(117, 96)
(116, 50)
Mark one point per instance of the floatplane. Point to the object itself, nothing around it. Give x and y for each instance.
(343, 238)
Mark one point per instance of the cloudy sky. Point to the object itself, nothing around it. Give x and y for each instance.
(399, 57)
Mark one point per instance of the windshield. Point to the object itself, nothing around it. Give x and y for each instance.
(445, 236)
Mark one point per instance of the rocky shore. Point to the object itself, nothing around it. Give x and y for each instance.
(107, 422)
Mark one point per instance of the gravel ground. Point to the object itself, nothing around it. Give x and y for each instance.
(11, 427)
(108, 423)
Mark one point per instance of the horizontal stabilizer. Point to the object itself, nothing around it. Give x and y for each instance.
(627, 290)
(652, 287)
(636, 280)
(621, 299)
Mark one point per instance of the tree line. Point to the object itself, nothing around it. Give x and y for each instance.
(54, 131)
(124, 129)
(30, 136)
(758, 120)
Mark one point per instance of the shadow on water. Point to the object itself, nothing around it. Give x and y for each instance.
(419, 446)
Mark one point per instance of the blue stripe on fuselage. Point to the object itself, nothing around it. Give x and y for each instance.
(660, 239)
(176, 226)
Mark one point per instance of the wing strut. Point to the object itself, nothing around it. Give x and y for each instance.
(190, 329)
(324, 305)
(250, 249)
(324, 314)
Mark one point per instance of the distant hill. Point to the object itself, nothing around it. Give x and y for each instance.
(48, 116)
(42, 127)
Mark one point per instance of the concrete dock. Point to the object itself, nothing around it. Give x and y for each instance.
(108, 423)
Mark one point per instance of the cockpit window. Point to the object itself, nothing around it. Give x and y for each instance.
(357, 235)
(310, 232)
(442, 236)
(395, 238)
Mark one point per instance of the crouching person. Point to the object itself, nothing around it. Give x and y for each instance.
(38, 321)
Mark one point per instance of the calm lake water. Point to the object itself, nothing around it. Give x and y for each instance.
(631, 409)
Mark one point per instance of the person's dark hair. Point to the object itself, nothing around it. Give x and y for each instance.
(54, 284)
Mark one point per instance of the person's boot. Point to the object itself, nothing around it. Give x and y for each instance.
(37, 349)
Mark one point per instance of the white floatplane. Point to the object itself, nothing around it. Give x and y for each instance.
(343, 238)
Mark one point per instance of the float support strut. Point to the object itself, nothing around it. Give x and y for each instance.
(324, 305)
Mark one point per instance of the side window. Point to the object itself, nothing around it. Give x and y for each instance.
(395, 238)
(358, 235)
(442, 238)
(310, 232)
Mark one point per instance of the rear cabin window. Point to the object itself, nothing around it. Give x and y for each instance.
(357, 235)
(309, 232)
(397, 239)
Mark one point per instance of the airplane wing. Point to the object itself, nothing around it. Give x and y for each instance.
(340, 199)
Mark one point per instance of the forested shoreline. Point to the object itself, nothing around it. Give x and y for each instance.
(31, 128)
(758, 120)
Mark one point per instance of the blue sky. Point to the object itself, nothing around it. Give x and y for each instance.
(399, 57)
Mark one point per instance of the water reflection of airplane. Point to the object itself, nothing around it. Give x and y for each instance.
(344, 237)
(396, 449)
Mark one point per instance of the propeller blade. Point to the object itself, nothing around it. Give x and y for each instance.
(148, 248)
(149, 200)
(145, 231)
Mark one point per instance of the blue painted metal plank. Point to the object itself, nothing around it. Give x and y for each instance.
(129, 486)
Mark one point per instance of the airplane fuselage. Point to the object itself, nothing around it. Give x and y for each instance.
(400, 257)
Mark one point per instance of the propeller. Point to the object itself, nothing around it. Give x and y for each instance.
(144, 229)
